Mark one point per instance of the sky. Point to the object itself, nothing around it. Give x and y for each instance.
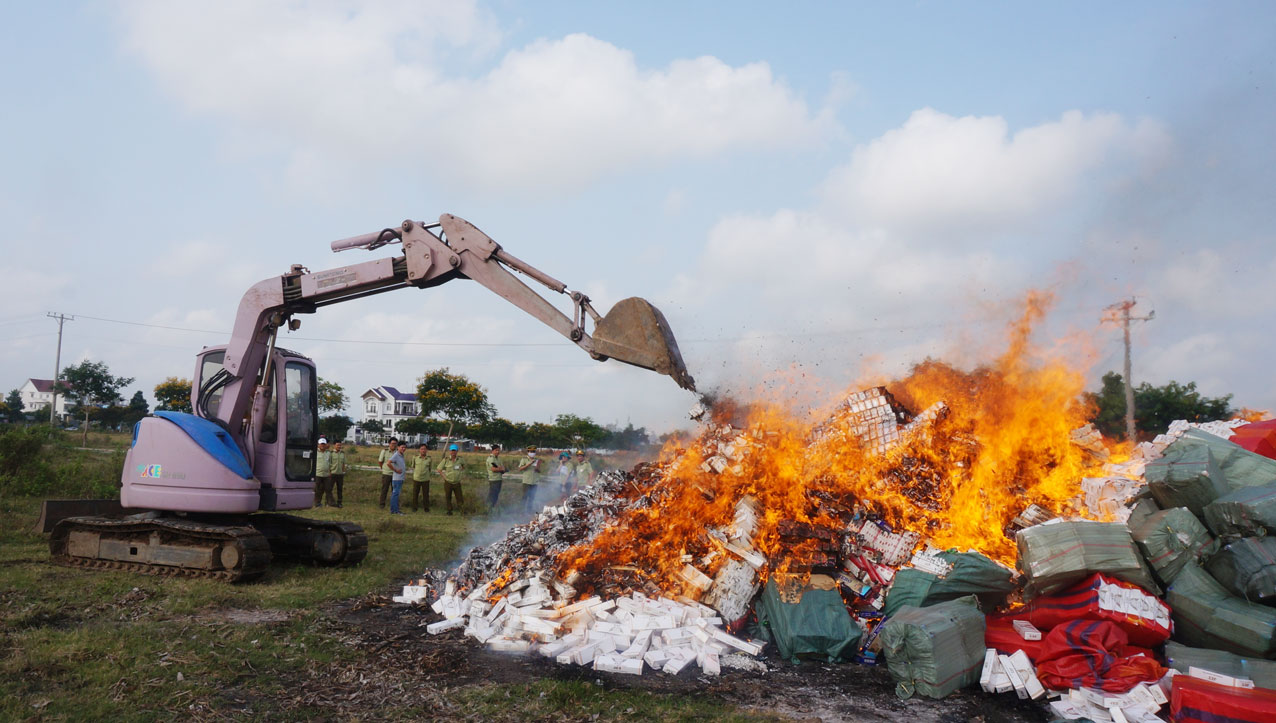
(814, 194)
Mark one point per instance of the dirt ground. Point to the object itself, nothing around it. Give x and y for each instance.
(397, 661)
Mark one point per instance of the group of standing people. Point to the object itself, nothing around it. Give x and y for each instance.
(330, 474)
(396, 462)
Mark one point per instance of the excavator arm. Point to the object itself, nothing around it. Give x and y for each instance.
(634, 331)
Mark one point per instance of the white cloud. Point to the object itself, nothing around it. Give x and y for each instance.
(941, 172)
(347, 81)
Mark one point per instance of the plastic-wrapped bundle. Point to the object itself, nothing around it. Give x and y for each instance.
(972, 574)
(817, 625)
(1240, 467)
(1186, 476)
(1207, 616)
(1170, 539)
(1248, 511)
(1182, 658)
(1247, 568)
(1053, 556)
(935, 650)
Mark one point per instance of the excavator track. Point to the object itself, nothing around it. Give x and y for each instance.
(162, 546)
(323, 542)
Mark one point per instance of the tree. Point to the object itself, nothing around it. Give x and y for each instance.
(91, 385)
(13, 407)
(136, 409)
(373, 427)
(420, 425)
(335, 426)
(332, 397)
(173, 395)
(574, 431)
(454, 398)
(1154, 407)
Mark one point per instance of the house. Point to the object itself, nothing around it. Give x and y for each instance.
(389, 406)
(37, 394)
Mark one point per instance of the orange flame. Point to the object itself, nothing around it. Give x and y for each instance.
(958, 479)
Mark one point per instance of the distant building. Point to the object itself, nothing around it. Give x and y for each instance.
(389, 406)
(37, 394)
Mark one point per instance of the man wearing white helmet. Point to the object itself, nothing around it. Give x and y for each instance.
(323, 474)
(452, 469)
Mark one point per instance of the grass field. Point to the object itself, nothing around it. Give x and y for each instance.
(80, 645)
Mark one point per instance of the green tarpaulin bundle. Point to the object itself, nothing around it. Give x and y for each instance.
(1182, 658)
(1240, 467)
(1055, 555)
(1247, 568)
(934, 650)
(1186, 476)
(1248, 511)
(972, 574)
(1170, 539)
(1207, 616)
(818, 624)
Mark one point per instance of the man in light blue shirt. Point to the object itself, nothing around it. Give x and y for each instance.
(397, 467)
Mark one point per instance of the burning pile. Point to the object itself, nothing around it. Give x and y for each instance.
(898, 503)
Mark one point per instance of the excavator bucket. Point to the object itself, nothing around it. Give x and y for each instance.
(635, 332)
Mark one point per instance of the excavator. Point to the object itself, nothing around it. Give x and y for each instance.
(207, 494)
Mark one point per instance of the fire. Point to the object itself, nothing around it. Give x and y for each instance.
(992, 440)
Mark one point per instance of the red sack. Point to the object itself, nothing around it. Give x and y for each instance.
(999, 633)
(1193, 700)
(1086, 654)
(1096, 598)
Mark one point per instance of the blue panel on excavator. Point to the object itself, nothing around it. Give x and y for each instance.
(213, 439)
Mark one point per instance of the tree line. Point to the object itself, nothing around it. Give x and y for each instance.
(451, 405)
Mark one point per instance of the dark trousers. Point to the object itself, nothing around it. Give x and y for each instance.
(419, 486)
(449, 489)
(323, 488)
(493, 493)
(529, 497)
(339, 482)
(385, 488)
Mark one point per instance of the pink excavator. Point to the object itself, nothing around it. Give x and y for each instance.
(205, 494)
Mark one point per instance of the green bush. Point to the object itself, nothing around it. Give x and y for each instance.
(34, 462)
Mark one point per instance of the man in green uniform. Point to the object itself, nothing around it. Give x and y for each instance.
(338, 470)
(495, 474)
(451, 468)
(387, 474)
(582, 472)
(421, 477)
(323, 474)
(530, 467)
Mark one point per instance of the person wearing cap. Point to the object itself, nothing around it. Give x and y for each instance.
(582, 471)
(421, 477)
(563, 471)
(338, 471)
(387, 475)
(495, 475)
(397, 467)
(530, 468)
(323, 474)
(451, 468)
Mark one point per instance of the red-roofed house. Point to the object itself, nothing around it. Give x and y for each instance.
(37, 394)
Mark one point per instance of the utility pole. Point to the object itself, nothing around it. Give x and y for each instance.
(57, 362)
(1120, 312)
